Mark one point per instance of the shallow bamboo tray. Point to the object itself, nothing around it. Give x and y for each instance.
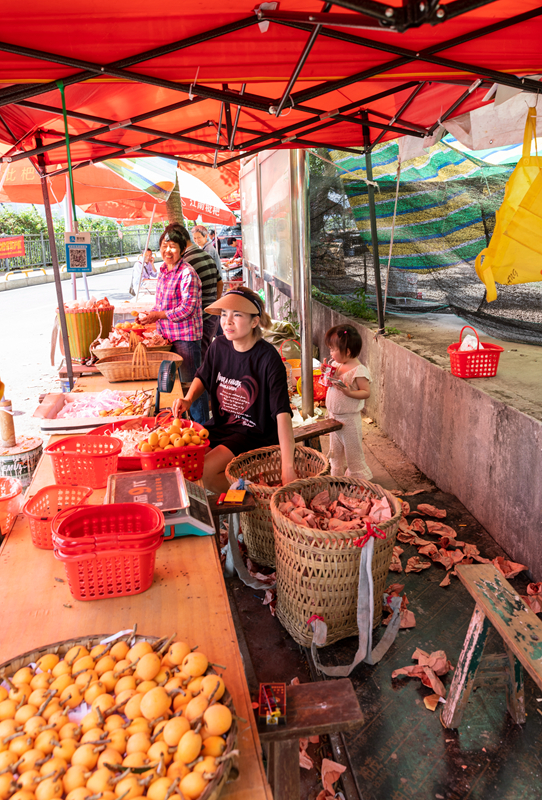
(318, 571)
(227, 769)
(127, 368)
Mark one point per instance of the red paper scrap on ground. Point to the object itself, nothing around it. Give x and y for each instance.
(508, 568)
(415, 564)
(431, 511)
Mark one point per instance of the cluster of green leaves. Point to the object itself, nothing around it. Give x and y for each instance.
(289, 314)
(17, 223)
(355, 306)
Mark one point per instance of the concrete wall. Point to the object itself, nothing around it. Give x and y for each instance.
(486, 453)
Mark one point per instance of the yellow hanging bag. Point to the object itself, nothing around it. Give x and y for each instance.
(514, 254)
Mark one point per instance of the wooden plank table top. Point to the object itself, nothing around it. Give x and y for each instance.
(188, 597)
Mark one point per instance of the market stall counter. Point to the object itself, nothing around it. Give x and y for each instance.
(187, 597)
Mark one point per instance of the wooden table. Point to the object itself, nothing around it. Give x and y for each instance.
(188, 596)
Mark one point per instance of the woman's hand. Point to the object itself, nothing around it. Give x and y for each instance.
(288, 474)
(180, 406)
(152, 316)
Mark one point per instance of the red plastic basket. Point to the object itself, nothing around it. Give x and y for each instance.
(112, 573)
(189, 459)
(80, 460)
(96, 525)
(474, 363)
(132, 463)
(45, 504)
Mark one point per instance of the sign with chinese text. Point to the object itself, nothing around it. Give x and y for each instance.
(78, 257)
(12, 246)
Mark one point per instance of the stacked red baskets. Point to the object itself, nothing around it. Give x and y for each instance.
(108, 551)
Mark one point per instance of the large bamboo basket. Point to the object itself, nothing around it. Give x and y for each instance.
(141, 365)
(318, 571)
(257, 525)
(227, 770)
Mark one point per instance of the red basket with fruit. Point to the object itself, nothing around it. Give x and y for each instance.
(183, 444)
(131, 433)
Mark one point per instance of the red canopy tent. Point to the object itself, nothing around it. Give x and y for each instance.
(300, 74)
(206, 82)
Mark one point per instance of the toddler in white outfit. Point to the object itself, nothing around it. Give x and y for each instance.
(345, 403)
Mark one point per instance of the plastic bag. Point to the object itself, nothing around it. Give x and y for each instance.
(514, 254)
(470, 343)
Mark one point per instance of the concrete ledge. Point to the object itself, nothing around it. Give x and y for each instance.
(486, 453)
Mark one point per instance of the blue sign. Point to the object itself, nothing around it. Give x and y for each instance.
(78, 256)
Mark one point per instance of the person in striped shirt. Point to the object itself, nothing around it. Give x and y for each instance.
(178, 311)
(205, 266)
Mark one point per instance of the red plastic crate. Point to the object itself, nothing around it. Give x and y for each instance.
(189, 459)
(80, 460)
(474, 363)
(46, 504)
(112, 573)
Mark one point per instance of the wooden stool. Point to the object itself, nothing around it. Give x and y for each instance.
(311, 708)
(498, 604)
(227, 509)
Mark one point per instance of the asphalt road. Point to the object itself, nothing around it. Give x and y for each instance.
(27, 317)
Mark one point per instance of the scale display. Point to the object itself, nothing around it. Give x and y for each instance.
(184, 504)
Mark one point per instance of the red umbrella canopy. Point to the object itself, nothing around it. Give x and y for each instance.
(205, 80)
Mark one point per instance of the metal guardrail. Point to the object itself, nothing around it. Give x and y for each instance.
(104, 246)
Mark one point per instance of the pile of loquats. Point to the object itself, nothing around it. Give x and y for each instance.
(153, 725)
(177, 435)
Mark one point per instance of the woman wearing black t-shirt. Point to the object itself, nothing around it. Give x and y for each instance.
(246, 380)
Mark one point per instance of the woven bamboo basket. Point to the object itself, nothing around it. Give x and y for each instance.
(113, 352)
(141, 365)
(257, 526)
(318, 571)
(228, 770)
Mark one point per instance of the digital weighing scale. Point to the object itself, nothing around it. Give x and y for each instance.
(184, 504)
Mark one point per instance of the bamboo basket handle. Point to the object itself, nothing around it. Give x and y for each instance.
(140, 365)
(134, 340)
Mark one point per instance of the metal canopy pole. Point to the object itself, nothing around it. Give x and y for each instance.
(145, 253)
(374, 232)
(58, 283)
(302, 239)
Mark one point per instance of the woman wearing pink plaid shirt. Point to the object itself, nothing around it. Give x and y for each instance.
(177, 311)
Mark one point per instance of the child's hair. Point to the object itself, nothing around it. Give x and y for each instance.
(344, 338)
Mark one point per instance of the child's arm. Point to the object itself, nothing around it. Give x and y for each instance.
(361, 392)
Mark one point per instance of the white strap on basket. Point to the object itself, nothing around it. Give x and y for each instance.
(364, 619)
(234, 559)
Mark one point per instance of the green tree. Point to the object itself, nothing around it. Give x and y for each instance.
(16, 223)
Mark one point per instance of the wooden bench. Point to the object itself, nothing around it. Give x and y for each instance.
(311, 708)
(310, 434)
(497, 604)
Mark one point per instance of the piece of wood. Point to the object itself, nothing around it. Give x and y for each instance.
(515, 692)
(227, 509)
(188, 596)
(517, 625)
(316, 708)
(321, 428)
(465, 672)
(283, 772)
